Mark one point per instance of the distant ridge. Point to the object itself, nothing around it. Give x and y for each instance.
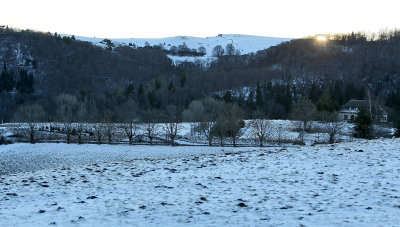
(245, 43)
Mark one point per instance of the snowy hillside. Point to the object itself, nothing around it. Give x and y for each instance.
(244, 43)
(347, 184)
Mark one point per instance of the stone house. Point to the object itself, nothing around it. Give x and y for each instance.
(350, 110)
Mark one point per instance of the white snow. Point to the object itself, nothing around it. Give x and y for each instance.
(323, 185)
(204, 61)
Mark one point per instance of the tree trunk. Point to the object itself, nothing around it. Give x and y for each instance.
(98, 138)
(172, 137)
(261, 141)
(129, 133)
(331, 138)
(32, 135)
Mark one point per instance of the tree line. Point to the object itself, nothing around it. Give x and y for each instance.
(217, 120)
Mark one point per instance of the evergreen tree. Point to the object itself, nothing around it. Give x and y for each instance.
(325, 103)
(250, 101)
(268, 91)
(140, 90)
(2, 80)
(314, 93)
(183, 80)
(141, 95)
(157, 84)
(259, 95)
(25, 83)
(337, 93)
(130, 89)
(152, 99)
(228, 97)
(363, 124)
(171, 86)
(6, 79)
(351, 92)
(397, 130)
(288, 98)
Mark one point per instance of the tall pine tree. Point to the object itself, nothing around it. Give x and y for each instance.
(6, 79)
(259, 95)
(363, 124)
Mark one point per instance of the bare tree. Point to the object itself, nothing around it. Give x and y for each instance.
(212, 109)
(171, 130)
(67, 106)
(237, 52)
(82, 117)
(149, 129)
(303, 111)
(332, 125)
(108, 124)
(128, 117)
(229, 124)
(109, 129)
(202, 50)
(172, 126)
(259, 129)
(173, 50)
(218, 51)
(194, 114)
(230, 49)
(32, 115)
(233, 122)
(95, 127)
(98, 131)
(150, 126)
(219, 129)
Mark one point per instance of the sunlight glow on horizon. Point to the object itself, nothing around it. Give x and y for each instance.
(321, 38)
(157, 18)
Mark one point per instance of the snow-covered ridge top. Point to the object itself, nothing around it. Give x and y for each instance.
(245, 43)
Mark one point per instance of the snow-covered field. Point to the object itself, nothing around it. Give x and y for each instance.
(24, 157)
(348, 184)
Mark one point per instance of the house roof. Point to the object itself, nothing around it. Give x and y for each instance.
(353, 103)
(375, 107)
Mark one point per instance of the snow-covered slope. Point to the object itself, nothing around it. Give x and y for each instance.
(245, 43)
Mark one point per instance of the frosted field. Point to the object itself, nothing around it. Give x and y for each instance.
(91, 185)
(24, 157)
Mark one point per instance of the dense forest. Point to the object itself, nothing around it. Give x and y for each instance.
(52, 71)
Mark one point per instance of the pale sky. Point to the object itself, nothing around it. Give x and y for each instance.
(202, 18)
